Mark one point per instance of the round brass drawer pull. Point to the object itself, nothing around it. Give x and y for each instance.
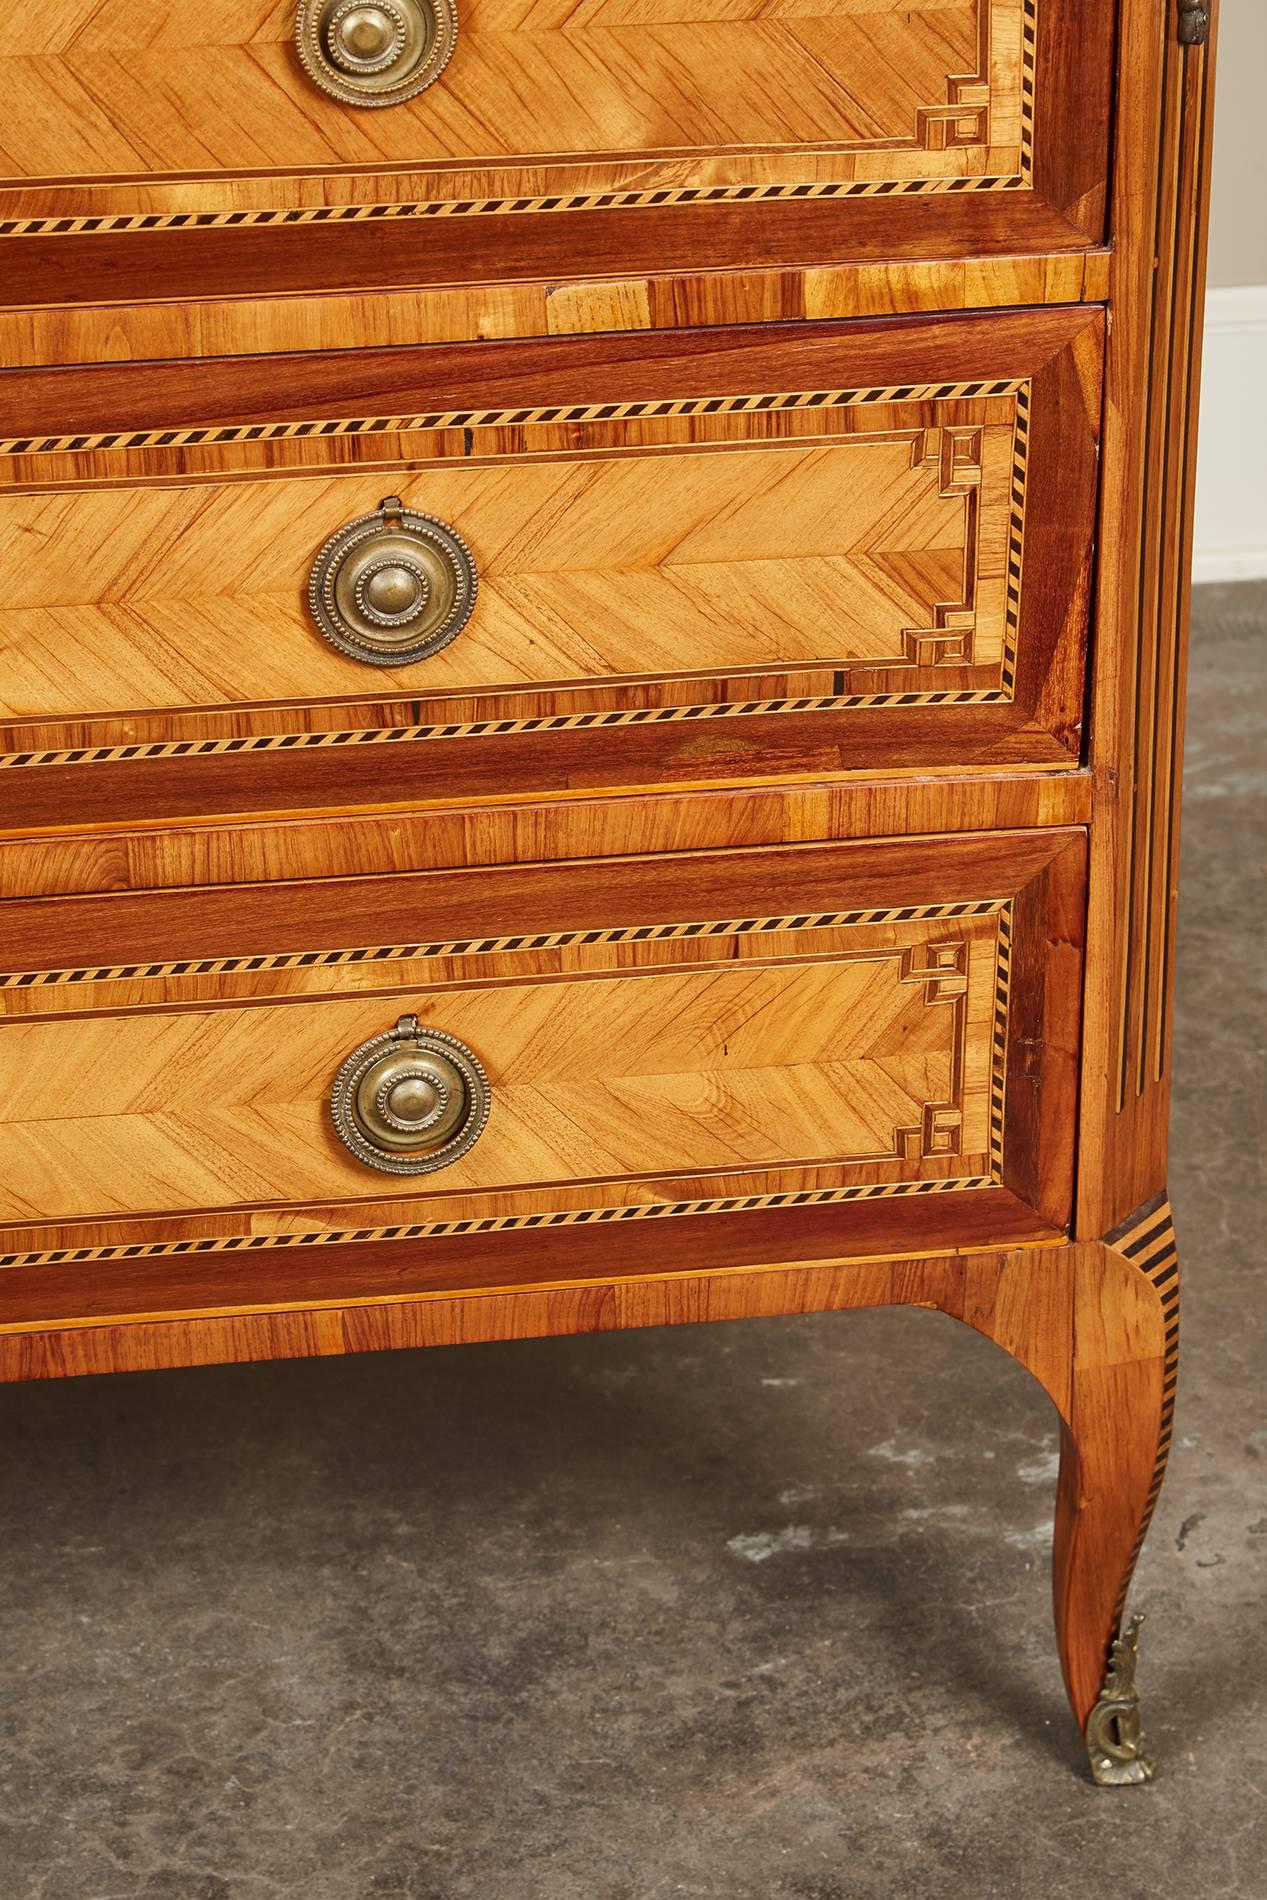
(375, 52)
(393, 587)
(411, 1100)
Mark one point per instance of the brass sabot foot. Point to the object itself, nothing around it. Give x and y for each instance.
(1115, 1738)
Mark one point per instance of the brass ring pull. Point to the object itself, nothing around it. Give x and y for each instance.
(410, 1101)
(393, 587)
(375, 52)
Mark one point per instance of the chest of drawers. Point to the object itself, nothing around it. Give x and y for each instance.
(592, 621)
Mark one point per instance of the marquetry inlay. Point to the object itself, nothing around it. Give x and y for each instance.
(864, 546)
(768, 1053)
(486, 728)
(502, 1224)
(1003, 982)
(750, 927)
(593, 201)
(934, 96)
(1147, 1240)
(522, 417)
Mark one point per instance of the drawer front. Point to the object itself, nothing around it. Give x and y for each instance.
(839, 548)
(213, 114)
(875, 1041)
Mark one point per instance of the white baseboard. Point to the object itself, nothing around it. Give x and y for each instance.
(1231, 524)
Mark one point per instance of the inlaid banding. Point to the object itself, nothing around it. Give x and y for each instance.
(506, 1223)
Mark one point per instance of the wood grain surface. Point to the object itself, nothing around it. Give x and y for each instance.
(849, 1058)
(846, 159)
(830, 562)
(380, 319)
(141, 856)
(690, 1051)
(765, 903)
(536, 100)
(279, 411)
(1138, 690)
(822, 574)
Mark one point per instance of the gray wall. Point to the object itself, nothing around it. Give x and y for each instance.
(1238, 207)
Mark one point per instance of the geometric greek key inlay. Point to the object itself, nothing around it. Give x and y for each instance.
(945, 640)
(930, 1066)
(893, 159)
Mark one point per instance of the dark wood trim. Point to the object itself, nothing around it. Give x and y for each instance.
(728, 752)
(536, 1257)
(1059, 349)
(628, 366)
(593, 893)
(1044, 1024)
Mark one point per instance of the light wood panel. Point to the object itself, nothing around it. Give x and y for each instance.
(142, 857)
(646, 1043)
(831, 571)
(864, 129)
(535, 100)
(252, 326)
(879, 1054)
(847, 564)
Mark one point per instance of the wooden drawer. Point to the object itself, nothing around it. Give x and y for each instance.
(815, 1050)
(724, 556)
(934, 126)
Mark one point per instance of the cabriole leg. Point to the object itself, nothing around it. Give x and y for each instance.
(1115, 1440)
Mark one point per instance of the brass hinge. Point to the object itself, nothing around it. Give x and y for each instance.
(1194, 23)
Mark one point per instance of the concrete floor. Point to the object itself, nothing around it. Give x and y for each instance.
(756, 1612)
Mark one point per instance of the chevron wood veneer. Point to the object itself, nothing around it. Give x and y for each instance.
(892, 91)
(840, 566)
(643, 563)
(852, 1059)
(690, 127)
(757, 1056)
